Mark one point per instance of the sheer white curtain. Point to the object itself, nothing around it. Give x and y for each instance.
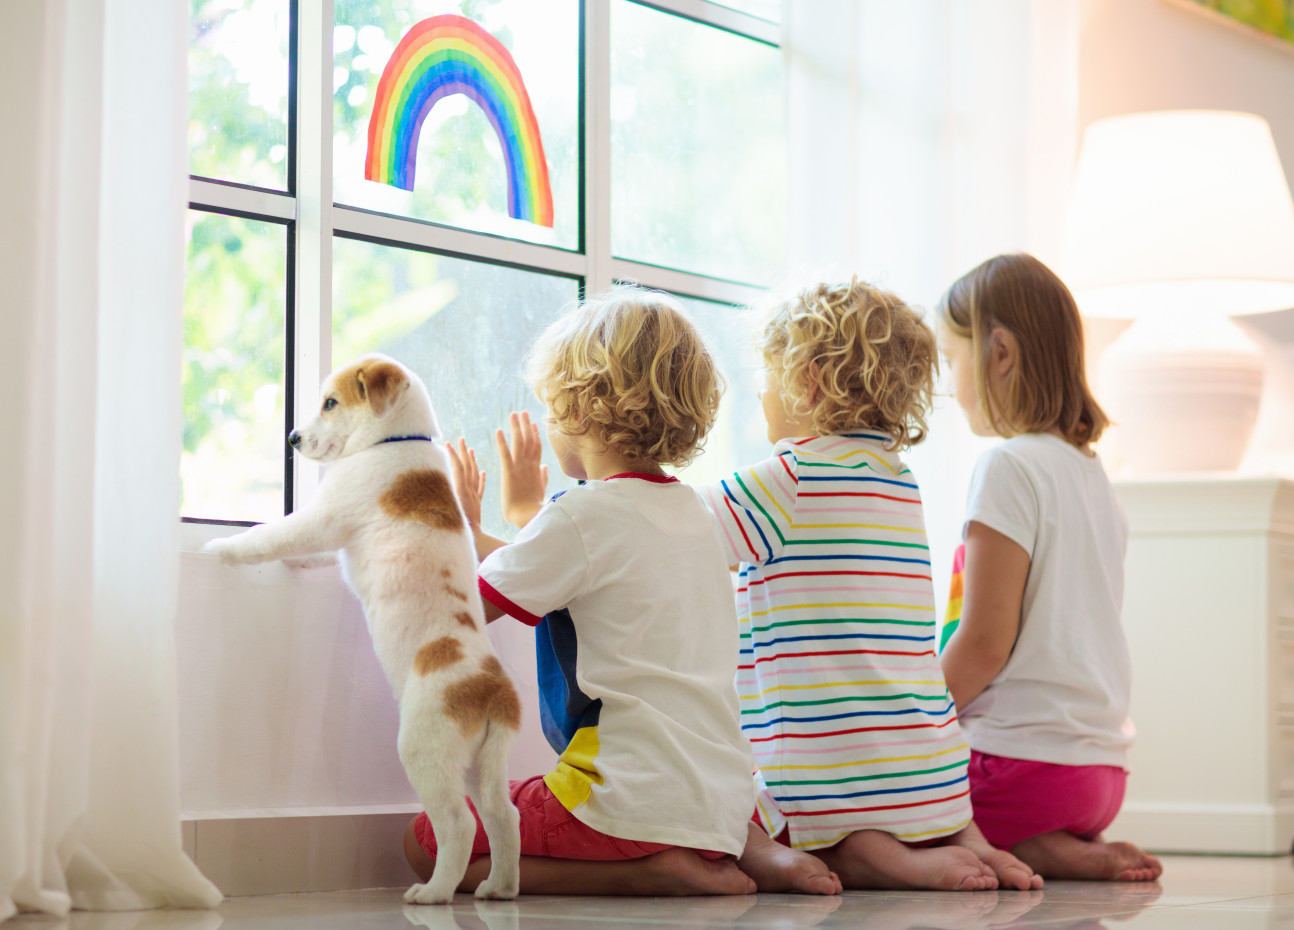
(927, 136)
(92, 199)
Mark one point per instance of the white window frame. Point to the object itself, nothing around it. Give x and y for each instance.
(315, 219)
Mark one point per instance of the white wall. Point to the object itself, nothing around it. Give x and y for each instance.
(283, 706)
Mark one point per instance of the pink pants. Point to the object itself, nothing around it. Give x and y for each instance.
(1015, 799)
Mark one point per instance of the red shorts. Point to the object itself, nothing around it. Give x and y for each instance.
(1015, 799)
(549, 829)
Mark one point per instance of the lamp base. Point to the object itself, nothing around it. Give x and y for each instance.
(1184, 393)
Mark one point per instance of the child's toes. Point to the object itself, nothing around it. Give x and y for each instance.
(1011, 872)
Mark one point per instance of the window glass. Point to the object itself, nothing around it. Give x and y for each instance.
(235, 299)
(770, 10)
(238, 91)
(466, 103)
(739, 436)
(698, 147)
(465, 328)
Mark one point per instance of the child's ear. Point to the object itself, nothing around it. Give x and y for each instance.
(1003, 349)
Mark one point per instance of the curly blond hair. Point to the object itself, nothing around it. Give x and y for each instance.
(629, 369)
(870, 356)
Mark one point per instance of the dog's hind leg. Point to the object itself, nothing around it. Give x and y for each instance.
(498, 815)
(435, 765)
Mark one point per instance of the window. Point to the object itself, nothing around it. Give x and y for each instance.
(438, 180)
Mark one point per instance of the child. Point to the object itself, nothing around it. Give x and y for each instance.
(860, 757)
(1038, 664)
(636, 638)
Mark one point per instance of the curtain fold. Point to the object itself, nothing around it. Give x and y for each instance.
(926, 136)
(92, 256)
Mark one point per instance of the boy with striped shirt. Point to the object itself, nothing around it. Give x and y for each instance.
(860, 758)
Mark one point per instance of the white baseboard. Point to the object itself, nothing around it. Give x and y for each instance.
(286, 852)
(341, 849)
(1248, 829)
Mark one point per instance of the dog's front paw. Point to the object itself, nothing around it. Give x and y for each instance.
(228, 549)
(428, 894)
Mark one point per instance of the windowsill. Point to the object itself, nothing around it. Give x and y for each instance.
(193, 536)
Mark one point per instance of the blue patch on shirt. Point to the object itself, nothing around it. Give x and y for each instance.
(563, 707)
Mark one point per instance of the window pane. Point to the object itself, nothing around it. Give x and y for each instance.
(464, 327)
(698, 147)
(235, 299)
(770, 10)
(238, 91)
(740, 435)
(454, 142)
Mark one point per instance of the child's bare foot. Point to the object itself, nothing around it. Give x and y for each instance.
(775, 867)
(674, 872)
(873, 859)
(1010, 871)
(1061, 854)
(682, 872)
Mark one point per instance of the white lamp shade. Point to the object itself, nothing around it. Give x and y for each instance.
(1182, 208)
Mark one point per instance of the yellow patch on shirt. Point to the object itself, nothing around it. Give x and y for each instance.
(576, 773)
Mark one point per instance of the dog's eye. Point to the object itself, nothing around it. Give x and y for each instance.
(330, 403)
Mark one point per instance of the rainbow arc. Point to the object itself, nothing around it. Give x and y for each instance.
(437, 58)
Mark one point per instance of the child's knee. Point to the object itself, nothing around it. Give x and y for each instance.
(421, 863)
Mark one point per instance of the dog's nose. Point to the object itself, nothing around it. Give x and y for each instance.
(294, 439)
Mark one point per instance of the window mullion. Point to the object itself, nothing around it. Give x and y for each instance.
(312, 318)
(597, 144)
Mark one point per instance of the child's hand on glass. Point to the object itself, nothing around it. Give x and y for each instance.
(469, 481)
(525, 479)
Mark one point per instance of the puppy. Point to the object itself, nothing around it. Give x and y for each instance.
(387, 504)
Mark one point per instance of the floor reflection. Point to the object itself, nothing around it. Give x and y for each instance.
(1196, 893)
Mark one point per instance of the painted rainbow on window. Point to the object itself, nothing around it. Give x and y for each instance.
(439, 57)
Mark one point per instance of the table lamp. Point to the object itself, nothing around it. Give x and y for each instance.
(1178, 220)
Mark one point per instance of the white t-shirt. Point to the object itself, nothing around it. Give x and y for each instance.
(1062, 696)
(655, 752)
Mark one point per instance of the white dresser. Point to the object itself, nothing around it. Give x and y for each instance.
(1209, 614)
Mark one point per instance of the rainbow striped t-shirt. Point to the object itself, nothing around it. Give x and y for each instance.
(841, 693)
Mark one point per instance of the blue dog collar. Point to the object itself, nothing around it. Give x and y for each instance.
(405, 439)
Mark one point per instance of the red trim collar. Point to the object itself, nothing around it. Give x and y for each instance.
(655, 479)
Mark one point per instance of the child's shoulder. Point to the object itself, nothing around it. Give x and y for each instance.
(1039, 459)
(1016, 457)
(1033, 448)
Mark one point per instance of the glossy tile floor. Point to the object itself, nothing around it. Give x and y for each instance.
(1195, 893)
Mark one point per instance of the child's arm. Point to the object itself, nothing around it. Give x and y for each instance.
(469, 485)
(524, 478)
(755, 508)
(995, 573)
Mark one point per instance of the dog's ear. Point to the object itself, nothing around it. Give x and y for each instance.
(381, 384)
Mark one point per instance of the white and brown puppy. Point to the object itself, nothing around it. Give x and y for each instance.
(387, 505)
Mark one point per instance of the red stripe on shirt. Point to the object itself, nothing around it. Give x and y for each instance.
(769, 578)
(913, 726)
(782, 459)
(839, 652)
(737, 520)
(886, 807)
(888, 497)
(489, 592)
